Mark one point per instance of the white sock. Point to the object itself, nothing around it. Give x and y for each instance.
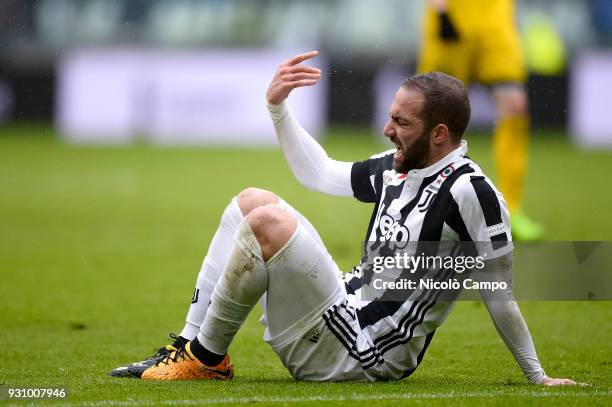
(243, 282)
(212, 267)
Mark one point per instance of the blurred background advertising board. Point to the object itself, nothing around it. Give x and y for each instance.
(212, 96)
(195, 72)
(590, 111)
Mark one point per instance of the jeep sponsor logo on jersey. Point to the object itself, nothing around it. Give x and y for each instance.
(393, 231)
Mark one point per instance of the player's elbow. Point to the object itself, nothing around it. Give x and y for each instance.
(311, 184)
(308, 178)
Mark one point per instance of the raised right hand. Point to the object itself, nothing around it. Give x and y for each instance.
(291, 75)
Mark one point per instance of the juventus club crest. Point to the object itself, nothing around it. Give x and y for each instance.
(433, 188)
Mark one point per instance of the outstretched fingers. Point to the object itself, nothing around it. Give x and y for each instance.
(298, 59)
(302, 75)
(290, 75)
(305, 82)
(288, 70)
(559, 382)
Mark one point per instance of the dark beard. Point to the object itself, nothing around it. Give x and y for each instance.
(416, 156)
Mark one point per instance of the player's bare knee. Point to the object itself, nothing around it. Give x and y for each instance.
(511, 102)
(273, 226)
(251, 198)
(517, 105)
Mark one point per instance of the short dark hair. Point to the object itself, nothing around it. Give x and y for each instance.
(445, 101)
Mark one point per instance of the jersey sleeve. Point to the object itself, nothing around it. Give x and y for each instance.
(366, 176)
(308, 161)
(484, 215)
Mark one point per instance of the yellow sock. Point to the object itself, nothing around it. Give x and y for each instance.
(510, 144)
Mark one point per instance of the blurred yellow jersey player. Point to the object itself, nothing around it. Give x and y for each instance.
(478, 41)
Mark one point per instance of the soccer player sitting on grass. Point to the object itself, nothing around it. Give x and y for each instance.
(317, 321)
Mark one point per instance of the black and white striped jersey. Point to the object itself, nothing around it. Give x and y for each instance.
(451, 200)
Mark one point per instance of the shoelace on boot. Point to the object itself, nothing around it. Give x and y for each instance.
(180, 353)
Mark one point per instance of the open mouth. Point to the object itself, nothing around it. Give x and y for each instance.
(398, 156)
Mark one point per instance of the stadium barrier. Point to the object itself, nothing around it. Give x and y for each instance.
(176, 97)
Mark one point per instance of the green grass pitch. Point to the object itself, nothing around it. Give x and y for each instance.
(100, 247)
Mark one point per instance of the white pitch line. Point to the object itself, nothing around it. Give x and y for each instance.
(353, 397)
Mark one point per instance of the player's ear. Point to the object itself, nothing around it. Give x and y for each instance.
(439, 134)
